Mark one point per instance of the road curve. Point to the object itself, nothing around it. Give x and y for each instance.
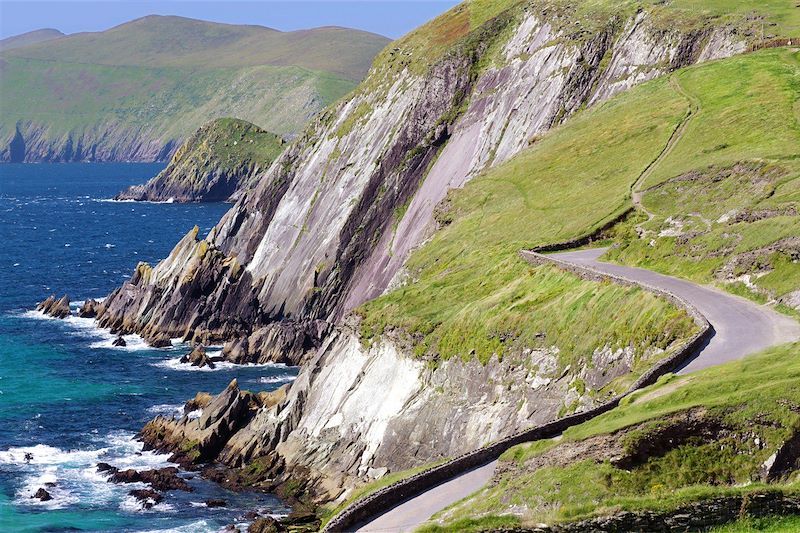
(741, 328)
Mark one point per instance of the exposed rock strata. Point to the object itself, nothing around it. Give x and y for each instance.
(320, 232)
(355, 413)
(331, 224)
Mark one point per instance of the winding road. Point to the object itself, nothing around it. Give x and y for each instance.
(741, 328)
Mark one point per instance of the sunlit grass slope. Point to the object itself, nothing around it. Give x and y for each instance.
(725, 199)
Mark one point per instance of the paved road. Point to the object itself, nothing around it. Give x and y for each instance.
(742, 327)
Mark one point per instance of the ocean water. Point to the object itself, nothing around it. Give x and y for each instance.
(66, 395)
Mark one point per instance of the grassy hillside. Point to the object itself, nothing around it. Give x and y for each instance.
(157, 79)
(682, 440)
(755, 21)
(169, 41)
(217, 160)
(468, 289)
(724, 202)
(29, 38)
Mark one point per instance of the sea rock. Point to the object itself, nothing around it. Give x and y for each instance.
(216, 503)
(105, 467)
(200, 401)
(42, 495)
(162, 479)
(196, 441)
(119, 341)
(198, 357)
(147, 497)
(88, 309)
(265, 524)
(58, 308)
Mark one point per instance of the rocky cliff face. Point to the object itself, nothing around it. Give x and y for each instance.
(332, 221)
(355, 412)
(33, 142)
(220, 159)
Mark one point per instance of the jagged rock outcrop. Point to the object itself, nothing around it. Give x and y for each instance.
(199, 358)
(332, 221)
(55, 307)
(219, 160)
(88, 309)
(355, 413)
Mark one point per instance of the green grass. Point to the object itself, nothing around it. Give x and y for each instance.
(774, 524)
(738, 155)
(754, 397)
(224, 149)
(170, 41)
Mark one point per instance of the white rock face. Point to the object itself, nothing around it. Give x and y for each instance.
(358, 412)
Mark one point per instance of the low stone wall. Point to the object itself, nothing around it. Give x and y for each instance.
(698, 516)
(402, 490)
(589, 238)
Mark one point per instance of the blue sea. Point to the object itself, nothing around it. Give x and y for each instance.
(68, 396)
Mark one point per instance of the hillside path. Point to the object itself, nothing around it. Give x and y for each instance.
(741, 328)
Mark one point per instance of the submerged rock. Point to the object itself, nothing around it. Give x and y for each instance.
(216, 503)
(147, 497)
(42, 495)
(198, 357)
(119, 341)
(55, 308)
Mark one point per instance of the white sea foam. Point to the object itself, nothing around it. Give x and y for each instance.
(194, 527)
(175, 364)
(71, 476)
(166, 409)
(87, 327)
(280, 378)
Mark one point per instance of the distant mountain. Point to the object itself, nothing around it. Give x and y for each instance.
(138, 90)
(28, 38)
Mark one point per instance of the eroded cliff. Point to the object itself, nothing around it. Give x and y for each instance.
(219, 160)
(332, 221)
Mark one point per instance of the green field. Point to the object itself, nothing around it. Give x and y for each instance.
(725, 200)
(469, 289)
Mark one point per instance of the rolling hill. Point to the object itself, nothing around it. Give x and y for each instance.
(136, 91)
(29, 38)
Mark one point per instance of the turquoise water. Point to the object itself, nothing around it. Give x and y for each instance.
(66, 395)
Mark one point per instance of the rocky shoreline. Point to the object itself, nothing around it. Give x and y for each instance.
(196, 442)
